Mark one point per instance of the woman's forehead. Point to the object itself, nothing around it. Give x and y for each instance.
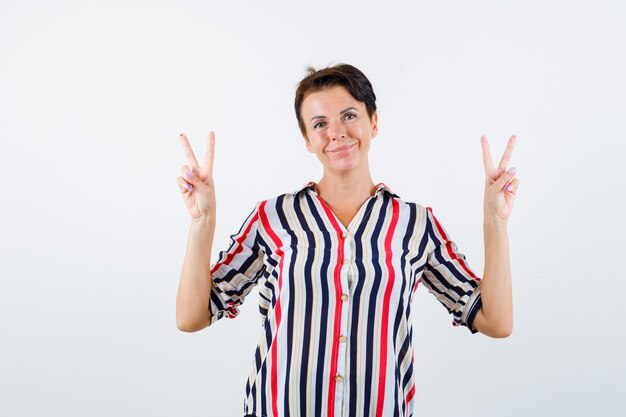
(334, 99)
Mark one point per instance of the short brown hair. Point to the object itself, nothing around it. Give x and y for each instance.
(344, 75)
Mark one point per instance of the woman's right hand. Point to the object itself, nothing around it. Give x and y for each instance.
(198, 189)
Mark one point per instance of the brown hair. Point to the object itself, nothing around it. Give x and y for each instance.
(344, 75)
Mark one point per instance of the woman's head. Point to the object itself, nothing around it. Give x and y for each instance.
(345, 75)
(336, 109)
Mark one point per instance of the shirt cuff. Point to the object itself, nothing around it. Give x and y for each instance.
(471, 309)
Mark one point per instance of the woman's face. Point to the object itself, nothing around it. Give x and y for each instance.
(338, 128)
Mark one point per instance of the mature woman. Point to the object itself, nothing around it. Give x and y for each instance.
(338, 261)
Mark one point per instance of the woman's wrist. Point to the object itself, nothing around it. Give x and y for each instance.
(203, 224)
(493, 220)
(204, 219)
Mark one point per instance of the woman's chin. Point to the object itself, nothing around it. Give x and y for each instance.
(344, 165)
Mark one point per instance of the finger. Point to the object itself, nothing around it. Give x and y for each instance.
(184, 186)
(504, 162)
(189, 175)
(191, 157)
(209, 156)
(505, 178)
(512, 186)
(487, 162)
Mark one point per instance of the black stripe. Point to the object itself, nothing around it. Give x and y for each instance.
(255, 254)
(439, 247)
(370, 387)
(478, 302)
(356, 305)
(264, 389)
(404, 300)
(232, 237)
(404, 297)
(325, 275)
(308, 306)
(358, 290)
(291, 299)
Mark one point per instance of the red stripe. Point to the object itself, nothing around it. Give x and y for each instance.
(233, 311)
(385, 315)
(277, 309)
(243, 237)
(449, 246)
(411, 393)
(337, 319)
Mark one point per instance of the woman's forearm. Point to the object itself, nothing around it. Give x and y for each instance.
(192, 300)
(495, 288)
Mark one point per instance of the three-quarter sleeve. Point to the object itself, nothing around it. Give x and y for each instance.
(237, 269)
(448, 276)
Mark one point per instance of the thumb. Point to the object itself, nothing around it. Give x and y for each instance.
(506, 177)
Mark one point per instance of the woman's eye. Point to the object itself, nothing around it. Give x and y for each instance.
(350, 114)
(317, 124)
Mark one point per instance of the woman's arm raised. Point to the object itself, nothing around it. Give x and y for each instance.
(495, 318)
(198, 190)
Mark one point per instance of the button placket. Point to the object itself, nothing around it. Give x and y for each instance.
(341, 339)
(347, 261)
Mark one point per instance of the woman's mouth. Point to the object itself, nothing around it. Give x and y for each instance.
(343, 148)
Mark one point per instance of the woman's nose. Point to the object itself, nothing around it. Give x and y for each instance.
(337, 130)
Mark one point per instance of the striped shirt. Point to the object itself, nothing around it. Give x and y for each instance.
(335, 301)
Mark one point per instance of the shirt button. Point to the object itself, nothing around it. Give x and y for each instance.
(339, 378)
(344, 235)
(346, 261)
(344, 297)
(341, 338)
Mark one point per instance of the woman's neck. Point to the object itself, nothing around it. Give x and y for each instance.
(345, 190)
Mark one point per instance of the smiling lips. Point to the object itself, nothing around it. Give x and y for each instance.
(343, 148)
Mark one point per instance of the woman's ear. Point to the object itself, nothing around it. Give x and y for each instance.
(309, 147)
(374, 123)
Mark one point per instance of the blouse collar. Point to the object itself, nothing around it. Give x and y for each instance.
(380, 187)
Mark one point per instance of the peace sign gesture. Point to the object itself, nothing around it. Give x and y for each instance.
(500, 184)
(196, 183)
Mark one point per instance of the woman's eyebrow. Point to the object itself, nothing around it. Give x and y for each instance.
(341, 112)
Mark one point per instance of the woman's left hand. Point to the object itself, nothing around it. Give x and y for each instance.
(500, 183)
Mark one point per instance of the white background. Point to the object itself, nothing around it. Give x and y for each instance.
(93, 96)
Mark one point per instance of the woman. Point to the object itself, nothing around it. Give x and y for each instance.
(339, 261)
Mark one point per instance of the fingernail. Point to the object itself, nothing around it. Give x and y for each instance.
(190, 187)
(511, 171)
(504, 187)
(189, 174)
(509, 187)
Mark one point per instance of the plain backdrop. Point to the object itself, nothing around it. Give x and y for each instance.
(93, 229)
